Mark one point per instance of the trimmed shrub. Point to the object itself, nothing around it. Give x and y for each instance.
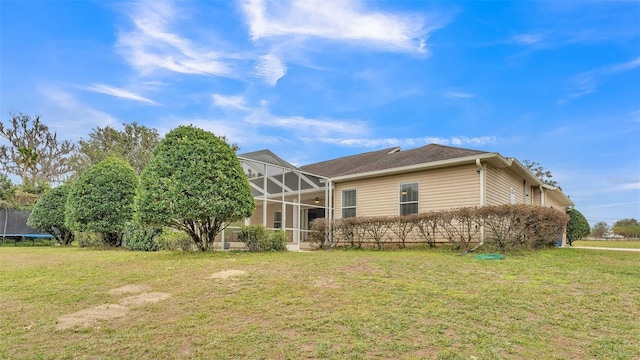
(509, 227)
(376, 228)
(48, 214)
(427, 226)
(101, 200)
(402, 226)
(318, 234)
(194, 183)
(277, 240)
(578, 226)
(512, 227)
(257, 238)
(174, 240)
(137, 237)
(89, 239)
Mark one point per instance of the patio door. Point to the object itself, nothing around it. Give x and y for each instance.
(313, 214)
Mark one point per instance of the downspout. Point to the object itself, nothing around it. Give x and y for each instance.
(482, 203)
(541, 195)
(329, 212)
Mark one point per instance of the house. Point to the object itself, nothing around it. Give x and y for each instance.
(387, 182)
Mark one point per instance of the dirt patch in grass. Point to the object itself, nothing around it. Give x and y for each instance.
(89, 316)
(327, 283)
(359, 267)
(130, 289)
(144, 298)
(228, 274)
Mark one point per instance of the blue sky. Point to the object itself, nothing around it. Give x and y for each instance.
(553, 82)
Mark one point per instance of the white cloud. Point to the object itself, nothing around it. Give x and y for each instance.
(629, 186)
(234, 102)
(152, 46)
(117, 92)
(248, 126)
(69, 116)
(304, 127)
(338, 20)
(458, 95)
(528, 39)
(586, 83)
(271, 68)
(408, 142)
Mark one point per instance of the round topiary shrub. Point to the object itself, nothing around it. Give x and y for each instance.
(101, 200)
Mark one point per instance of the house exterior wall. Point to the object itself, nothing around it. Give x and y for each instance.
(554, 201)
(536, 196)
(499, 182)
(256, 218)
(444, 188)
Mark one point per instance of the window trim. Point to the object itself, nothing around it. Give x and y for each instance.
(400, 202)
(354, 207)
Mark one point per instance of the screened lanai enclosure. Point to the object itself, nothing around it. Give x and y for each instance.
(286, 198)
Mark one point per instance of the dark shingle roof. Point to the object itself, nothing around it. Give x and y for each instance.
(387, 159)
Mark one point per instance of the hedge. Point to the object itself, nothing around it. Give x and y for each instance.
(508, 227)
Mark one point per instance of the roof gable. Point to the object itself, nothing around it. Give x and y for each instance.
(267, 156)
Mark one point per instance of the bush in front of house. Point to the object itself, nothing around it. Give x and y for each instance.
(171, 240)
(507, 227)
(194, 183)
(257, 238)
(578, 226)
(138, 237)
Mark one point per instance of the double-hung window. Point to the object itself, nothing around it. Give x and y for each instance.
(277, 220)
(348, 203)
(408, 198)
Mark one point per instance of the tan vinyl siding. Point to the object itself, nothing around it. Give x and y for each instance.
(438, 189)
(256, 218)
(537, 199)
(500, 181)
(552, 200)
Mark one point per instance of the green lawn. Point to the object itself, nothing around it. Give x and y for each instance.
(412, 304)
(610, 243)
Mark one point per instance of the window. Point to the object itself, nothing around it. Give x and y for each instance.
(409, 198)
(348, 203)
(277, 220)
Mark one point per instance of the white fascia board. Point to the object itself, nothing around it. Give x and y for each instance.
(559, 193)
(523, 170)
(422, 166)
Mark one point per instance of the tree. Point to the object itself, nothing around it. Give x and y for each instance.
(101, 200)
(600, 229)
(7, 189)
(48, 214)
(34, 152)
(578, 226)
(28, 159)
(540, 172)
(627, 228)
(135, 144)
(195, 183)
